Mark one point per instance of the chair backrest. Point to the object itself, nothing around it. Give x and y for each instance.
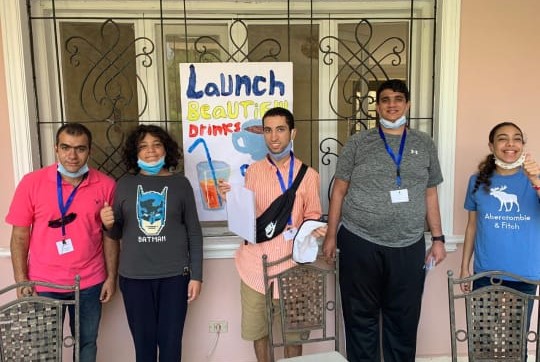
(496, 326)
(307, 301)
(32, 327)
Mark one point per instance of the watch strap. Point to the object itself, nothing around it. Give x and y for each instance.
(438, 238)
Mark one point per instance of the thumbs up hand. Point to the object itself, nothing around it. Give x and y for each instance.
(532, 170)
(107, 216)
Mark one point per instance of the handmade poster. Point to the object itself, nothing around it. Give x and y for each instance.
(222, 109)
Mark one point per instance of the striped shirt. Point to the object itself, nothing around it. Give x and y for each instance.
(262, 179)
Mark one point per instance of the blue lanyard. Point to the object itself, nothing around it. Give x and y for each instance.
(65, 207)
(397, 160)
(280, 178)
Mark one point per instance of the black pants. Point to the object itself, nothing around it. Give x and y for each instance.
(380, 284)
(156, 311)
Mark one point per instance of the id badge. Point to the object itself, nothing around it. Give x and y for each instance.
(64, 246)
(401, 195)
(289, 234)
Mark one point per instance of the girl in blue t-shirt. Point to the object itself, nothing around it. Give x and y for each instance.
(504, 212)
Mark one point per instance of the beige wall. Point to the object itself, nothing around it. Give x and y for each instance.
(498, 80)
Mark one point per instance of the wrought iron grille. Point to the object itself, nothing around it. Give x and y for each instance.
(113, 64)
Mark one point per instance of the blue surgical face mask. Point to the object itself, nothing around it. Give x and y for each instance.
(151, 168)
(80, 172)
(393, 125)
(282, 154)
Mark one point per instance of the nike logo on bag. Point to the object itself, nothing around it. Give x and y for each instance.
(269, 229)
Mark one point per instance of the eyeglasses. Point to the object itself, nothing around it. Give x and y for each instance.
(56, 223)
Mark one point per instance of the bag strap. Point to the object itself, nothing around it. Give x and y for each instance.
(299, 177)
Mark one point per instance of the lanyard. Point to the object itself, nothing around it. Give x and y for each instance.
(280, 178)
(397, 160)
(64, 207)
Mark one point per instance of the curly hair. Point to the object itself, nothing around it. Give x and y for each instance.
(173, 153)
(487, 166)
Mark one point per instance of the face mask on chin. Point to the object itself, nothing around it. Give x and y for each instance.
(281, 155)
(509, 166)
(393, 125)
(151, 168)
(80, 172)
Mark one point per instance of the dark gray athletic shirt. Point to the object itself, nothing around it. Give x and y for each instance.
(367, 208)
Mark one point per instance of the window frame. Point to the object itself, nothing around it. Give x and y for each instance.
(22, 106)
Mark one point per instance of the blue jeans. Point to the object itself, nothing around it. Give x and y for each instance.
(90, 315)
(519, 286)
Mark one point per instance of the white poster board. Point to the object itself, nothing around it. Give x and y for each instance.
(222, 109)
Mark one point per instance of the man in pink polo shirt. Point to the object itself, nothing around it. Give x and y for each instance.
(57, 234)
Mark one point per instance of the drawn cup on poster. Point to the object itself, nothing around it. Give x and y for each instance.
(207, 178)
(209, 172)
(250, 139)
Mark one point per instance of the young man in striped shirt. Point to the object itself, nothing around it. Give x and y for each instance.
(268, 179)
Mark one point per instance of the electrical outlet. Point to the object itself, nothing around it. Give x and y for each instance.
(218, 327)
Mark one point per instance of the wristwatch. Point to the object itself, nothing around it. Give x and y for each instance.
(438, 238)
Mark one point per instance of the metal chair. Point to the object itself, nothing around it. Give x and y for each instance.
(308, 306)
(32, 327)
(496, 322)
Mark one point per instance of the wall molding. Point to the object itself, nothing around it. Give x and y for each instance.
(224, 247)
(19, 87)
(446, 99)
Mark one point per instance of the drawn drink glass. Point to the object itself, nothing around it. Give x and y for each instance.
(209, 190)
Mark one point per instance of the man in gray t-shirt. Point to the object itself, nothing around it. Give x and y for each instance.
(385, 189)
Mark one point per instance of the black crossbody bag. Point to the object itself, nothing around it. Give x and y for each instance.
(274, 219)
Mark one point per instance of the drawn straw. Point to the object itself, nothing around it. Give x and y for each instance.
(209, 160)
